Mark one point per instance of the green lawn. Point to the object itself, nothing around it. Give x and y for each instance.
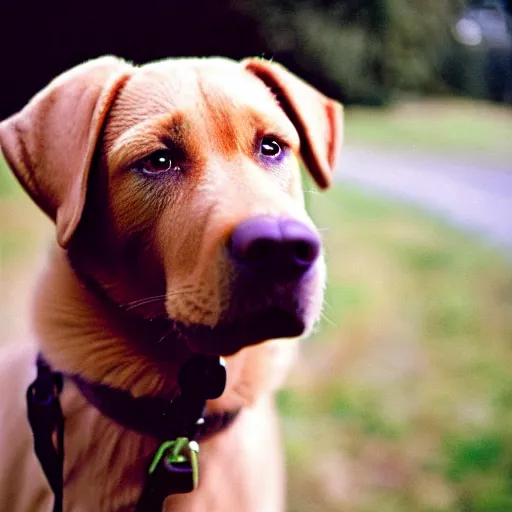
(8, 184)
(459, 127)
(403, 399)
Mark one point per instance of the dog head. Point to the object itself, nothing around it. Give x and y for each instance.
(176, 188)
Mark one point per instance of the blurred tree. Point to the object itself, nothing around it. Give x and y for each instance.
(38, 39)
(359, 51)
(354, 50)
(480, 60)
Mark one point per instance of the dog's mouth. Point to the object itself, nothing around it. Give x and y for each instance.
(228, 337)
(259, 310)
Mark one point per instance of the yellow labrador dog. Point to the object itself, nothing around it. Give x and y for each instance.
(176, 193)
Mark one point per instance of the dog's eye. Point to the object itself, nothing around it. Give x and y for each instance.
(157, 163)
(270, 147)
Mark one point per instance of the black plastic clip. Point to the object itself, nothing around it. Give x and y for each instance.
(46, 419)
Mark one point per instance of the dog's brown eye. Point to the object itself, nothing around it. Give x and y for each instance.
(157, 163)
(270, 147)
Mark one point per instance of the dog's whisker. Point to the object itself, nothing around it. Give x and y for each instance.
(149, 300)
(327, 319)
(144, 302)
(164, 336)
(326, 304)
(138, 301)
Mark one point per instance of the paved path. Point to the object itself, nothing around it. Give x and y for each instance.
(475, 195)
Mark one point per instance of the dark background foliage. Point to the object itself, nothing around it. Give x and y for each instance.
(358, 51)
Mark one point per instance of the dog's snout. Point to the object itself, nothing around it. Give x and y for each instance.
(281, 248)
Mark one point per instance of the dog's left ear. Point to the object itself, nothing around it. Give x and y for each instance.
(318, 119)
(50, 144)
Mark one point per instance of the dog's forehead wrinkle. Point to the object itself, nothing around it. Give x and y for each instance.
(130, 141)
(152, 93)
(235, 123)
(158, 127)
(221, 106)
(236, 91)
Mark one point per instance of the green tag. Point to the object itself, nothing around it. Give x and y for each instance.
(181, 450)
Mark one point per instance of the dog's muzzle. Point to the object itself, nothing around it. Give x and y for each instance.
(273, 282)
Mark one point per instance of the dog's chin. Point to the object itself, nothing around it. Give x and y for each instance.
(260, 310)
(228, 337)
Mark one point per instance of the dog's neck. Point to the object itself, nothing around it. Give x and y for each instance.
(81, 333)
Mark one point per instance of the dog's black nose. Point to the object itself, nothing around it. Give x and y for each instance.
(281, 248)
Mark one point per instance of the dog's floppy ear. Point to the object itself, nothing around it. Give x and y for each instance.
(317, 118)
(50, 144)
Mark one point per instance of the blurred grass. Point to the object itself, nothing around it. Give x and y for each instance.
(403, 399)
(25, 234)
(448, 126)
(8, 184)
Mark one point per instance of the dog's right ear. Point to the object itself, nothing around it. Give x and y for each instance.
(50, 144)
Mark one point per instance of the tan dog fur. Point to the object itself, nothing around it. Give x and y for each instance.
(73, 148)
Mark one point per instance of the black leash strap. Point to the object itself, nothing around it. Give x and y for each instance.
(46, 419)
(174, 468)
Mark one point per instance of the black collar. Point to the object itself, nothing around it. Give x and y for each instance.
(154, 416)
(181, 422)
